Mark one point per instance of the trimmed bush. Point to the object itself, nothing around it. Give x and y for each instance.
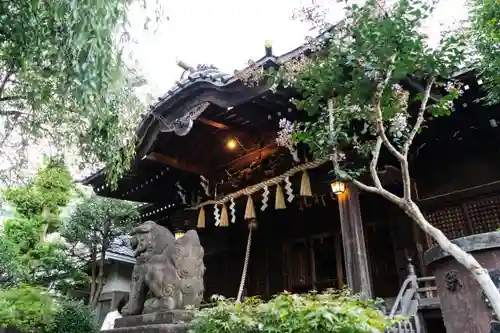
(332, 311)
(27, 309)
(74, 317)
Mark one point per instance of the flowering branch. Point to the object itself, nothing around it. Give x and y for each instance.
(420, 116)
(378, 110)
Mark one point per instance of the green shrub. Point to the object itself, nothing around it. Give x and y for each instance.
(74, 317)
(338, 312)
(28, 309)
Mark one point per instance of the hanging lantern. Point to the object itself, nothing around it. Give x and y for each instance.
(337, 187)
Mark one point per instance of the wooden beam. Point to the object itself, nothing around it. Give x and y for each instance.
(353, 239)
(338, 258)
(247, 159)
(213, 123)
(176, 163)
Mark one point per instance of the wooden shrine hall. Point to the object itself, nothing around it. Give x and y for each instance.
(208, 147)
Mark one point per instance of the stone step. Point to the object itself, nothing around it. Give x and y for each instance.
(157, 328)
(164, 317)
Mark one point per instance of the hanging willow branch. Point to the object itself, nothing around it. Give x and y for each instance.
(257, 187)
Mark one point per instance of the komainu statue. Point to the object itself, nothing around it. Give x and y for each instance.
(168, 273)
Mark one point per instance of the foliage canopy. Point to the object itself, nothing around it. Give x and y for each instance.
(356, 83)
(94, 224)
(485, 17)
(37, 206)
(63, 80)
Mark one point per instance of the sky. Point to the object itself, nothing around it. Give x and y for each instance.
(227, 33)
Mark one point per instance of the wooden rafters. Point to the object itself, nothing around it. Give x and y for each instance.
(178, 164)
(214, 123)
(247, 159)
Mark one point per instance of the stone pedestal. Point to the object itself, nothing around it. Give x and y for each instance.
(462, 302)
(175, 321)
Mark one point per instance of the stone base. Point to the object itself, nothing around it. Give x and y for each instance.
(164, 317)
(161, 328)
(175, 321)
(462, 302)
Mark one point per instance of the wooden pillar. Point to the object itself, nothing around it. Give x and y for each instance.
(355, 257)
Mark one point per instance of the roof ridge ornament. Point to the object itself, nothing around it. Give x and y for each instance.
(201, 70)
(183, 125)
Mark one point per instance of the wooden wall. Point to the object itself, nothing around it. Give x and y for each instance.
(462, 197)
(300, 249)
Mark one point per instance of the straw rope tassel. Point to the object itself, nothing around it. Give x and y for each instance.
(305, 185)
(250, 209)
(201, 218)
(280, 198)
(224, 217)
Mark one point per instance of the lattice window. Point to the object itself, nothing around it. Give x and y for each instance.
(451, 221)
(484, 214)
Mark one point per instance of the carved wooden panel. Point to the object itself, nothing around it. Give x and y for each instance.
(463, 219)
(484, 214)
(450, 220)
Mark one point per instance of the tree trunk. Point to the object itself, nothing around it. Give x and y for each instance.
(478, 272)
(93, 282)
(99, 281)
(45, 226)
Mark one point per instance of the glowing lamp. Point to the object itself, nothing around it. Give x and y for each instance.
(337, 187)
(179, 234)
(231, 144)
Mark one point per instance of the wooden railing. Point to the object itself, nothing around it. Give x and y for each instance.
(427, 292)
(416, 293)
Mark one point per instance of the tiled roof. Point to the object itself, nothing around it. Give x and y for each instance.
(121, 245)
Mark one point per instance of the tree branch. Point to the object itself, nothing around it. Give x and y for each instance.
(374, 163)
(420, 116)
(378, 188)
(6, 78)
(380, 191)
(13, 113)
(405, 168)
(11, 98)
(379, 119)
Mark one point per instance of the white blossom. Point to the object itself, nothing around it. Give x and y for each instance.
(399, 123)
(285, 135)
(451, 86)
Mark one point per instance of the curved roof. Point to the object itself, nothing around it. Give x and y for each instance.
(203, 89)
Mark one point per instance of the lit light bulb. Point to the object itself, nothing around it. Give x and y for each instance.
(231, 144)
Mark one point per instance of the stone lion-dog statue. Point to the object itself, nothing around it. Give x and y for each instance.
(168, 273)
